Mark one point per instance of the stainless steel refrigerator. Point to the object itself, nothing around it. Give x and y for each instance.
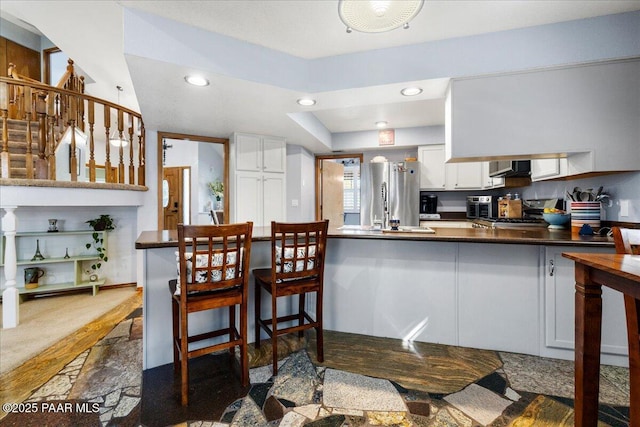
(392, 190)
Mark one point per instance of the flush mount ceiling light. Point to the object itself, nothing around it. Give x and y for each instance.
(196, 80)
(306, 102)
(378, 16)
(381, 124)
(411, 91)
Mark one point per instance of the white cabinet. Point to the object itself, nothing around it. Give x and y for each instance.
(260, 197)
(559, 312)
(66, 262)
(432, 167)
(589, 108)
(542, 169)
(464, 176)
(435, 174)
(498, 297)
(259, 179)
(260, 153)
(490, 182)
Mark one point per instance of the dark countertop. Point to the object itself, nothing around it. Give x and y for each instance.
(536, 236)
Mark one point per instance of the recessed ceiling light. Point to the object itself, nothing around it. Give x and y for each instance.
(306, 102)
(411, 91)
(196, 80)
(381, 124)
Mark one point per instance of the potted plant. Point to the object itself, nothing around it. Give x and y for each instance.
(102, 223)
(217, 189)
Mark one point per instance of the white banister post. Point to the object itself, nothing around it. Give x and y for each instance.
(10, 296)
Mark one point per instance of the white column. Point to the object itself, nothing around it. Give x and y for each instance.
(10, 296)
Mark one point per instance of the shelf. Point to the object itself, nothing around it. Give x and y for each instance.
(54, 233)
(56, 260)
(62, 287)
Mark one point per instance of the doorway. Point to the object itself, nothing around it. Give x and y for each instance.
(338, 188)
(187, 164)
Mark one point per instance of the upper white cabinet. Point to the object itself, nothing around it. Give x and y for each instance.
(435, 174)
(591, 109)
(258, 165)
(542, 169)
(432, 167)
(260, 153)
(488, 181)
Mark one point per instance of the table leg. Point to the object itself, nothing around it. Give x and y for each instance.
(588, 311)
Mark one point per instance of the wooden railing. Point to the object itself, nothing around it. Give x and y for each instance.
(54, 110)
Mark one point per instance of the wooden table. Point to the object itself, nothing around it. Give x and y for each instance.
(619, 272)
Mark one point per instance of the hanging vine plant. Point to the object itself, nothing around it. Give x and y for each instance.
(102, 223)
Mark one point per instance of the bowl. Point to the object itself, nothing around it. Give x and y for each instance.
(556, 220)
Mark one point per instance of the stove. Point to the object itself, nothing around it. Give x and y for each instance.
(508, 223)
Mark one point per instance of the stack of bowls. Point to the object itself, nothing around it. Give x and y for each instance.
(585, 213)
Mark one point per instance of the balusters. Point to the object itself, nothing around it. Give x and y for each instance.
(28, 158)
(120, 144)
(92, 160)
(132, 169)
(4, 109)
(54, 109)
(108, 176)
(73, 160)
(141, 157)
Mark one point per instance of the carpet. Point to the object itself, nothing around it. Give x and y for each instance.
(44, 321)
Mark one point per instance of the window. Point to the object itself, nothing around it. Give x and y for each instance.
(351, 187)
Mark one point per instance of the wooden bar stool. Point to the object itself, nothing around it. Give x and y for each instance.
(213, 264)
(297, 268)
(627, 241)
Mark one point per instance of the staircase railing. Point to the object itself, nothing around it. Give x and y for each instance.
(54, 111)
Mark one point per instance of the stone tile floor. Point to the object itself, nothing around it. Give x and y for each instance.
(525, 391)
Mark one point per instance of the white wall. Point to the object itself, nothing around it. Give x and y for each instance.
(300, 184)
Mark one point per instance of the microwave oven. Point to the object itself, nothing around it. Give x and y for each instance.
(510, 168)
(482, 207)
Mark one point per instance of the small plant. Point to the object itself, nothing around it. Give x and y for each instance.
(102, 223)
(216, 188)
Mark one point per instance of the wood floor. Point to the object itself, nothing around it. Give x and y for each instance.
(18, 384)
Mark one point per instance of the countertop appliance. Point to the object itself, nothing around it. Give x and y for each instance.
(428, 206)
(482, 207)
(392, 190)
(510, 168)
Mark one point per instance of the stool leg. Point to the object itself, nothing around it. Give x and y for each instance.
(257, 306)
(319, 328)
(232, 327)
(184, 357)
(274, 331)
(175, 315)
(244, 362)
(301, 299)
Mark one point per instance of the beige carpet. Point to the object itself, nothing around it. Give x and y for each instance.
(44, 321)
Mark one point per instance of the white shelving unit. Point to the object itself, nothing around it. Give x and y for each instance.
(57, 244)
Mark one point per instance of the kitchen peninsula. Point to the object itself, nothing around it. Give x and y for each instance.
(500, 289)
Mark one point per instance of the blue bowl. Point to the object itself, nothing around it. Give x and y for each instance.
(556, 220)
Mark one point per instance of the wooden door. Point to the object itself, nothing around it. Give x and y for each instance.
(172, 212)
(332, 193)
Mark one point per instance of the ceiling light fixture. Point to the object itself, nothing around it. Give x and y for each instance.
(381, 124)
(306, 102)
(411, 91)
(115, 138)
(377, 16)
(196, 80)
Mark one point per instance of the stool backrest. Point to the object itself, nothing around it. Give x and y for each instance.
(298, 250)
(213, 257)
(627, 240)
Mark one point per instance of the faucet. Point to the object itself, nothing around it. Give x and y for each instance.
(385, 206)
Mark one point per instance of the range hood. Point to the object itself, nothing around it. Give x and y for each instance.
(510, 168)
